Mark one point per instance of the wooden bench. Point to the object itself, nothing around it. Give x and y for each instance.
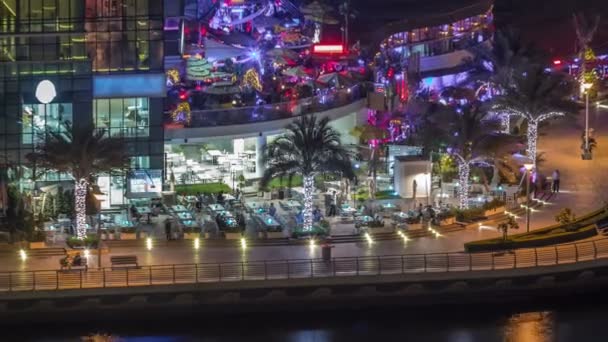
(124, 261)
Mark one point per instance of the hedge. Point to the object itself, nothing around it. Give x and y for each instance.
(532, 239)
(207, 188)
(582, 228)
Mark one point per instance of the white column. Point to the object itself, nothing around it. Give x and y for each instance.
(260, 167)
(238, 146)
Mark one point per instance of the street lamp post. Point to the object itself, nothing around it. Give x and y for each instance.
(586, 153)
(529, 168)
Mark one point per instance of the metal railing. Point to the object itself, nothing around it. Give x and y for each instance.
(299, 269)
(277, 111)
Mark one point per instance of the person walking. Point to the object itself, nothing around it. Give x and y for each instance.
(555, 181)
(168, 229)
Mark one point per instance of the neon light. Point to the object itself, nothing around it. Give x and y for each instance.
(338, 48)
(557, 62)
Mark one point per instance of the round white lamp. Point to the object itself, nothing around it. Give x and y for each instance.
(45, 91)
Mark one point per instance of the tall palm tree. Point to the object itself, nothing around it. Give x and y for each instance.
(497, 63)
(537, 96)
(309, 147)
(472, 141)
(83, 153)
(374, 136)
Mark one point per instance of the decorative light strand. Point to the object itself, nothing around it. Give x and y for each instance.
(80, 197)
(309, 188)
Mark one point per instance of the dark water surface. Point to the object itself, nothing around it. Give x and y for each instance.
(570, 320)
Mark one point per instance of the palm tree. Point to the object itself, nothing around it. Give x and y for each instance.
(84, 153)
(496, 64)
(537, 96)
(472, 141)
(309, 147)
(374, 136)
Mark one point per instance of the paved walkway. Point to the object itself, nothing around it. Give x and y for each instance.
(584, 187)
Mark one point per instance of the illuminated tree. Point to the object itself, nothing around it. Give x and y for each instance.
(537, 96)
(252, 79)
(472, 141)
(182, 113)
(84, 153)
(309, 147)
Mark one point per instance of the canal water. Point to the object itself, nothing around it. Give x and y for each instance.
(573, 320)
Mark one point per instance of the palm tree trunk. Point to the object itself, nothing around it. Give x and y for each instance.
(80, 195)
(532, 136)
(309, 189)
(463, 178)
(373, 172)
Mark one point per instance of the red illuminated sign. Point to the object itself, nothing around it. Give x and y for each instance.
(328, 48)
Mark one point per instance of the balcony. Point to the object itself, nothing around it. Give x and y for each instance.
(267, 118)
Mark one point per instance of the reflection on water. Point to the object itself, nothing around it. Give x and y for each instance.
(530, 327)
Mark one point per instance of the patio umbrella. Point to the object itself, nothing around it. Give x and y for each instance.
(298, 71)
(282, 53)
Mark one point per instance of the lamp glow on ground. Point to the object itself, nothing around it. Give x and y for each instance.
(243, 243)
(197, 244)
(403, 236)
(22, 254)
(369, 238)
(149, 244)
(87, 253)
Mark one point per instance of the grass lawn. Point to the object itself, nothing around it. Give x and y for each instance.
(207, 188)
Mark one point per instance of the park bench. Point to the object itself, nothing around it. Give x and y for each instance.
(124, 261)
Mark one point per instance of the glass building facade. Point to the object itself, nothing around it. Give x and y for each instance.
(73, 44)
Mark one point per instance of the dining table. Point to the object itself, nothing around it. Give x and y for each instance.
(216, 207)
(268, 221)
(179, 208)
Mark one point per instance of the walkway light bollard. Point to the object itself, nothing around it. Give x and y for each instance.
(529, 168)
(586, 87)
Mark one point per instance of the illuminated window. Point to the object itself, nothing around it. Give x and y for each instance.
(40, 118)
(123, 117)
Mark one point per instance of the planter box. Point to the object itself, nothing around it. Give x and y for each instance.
(413, 226)
(111, 236)
(232, 236)
(274, 235)
(104, 236)
(261, 235)
(191, 236)
(128, 236)
(380, 230)
(37, 245)
(491, 212)
(207, 235)
(447, 221)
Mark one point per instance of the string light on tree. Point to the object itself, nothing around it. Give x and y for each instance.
(80, 195)
(252, 79)
(182, 113)
(309, 189)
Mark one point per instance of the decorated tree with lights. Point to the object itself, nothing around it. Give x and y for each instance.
(309, 147)
(471, 140)
(496, 64)
(537, 96)
(83, 153)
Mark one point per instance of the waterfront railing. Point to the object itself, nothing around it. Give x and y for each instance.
(261, 271)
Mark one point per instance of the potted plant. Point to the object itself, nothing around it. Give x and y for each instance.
(103, 234)
(505, 226)
(566, 218)
(128, 233)
(111, 234)
(446, 218)
(89, 241)
(37, 239)
(413, 223)
(191, 233)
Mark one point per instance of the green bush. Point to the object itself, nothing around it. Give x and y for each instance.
(538, 238)
(494, 204)
(128, 230)
(468, 215)
(90, 241)
(192, 230)
(363, 195)
(36, 236)
(207, 188)
(317, 230)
